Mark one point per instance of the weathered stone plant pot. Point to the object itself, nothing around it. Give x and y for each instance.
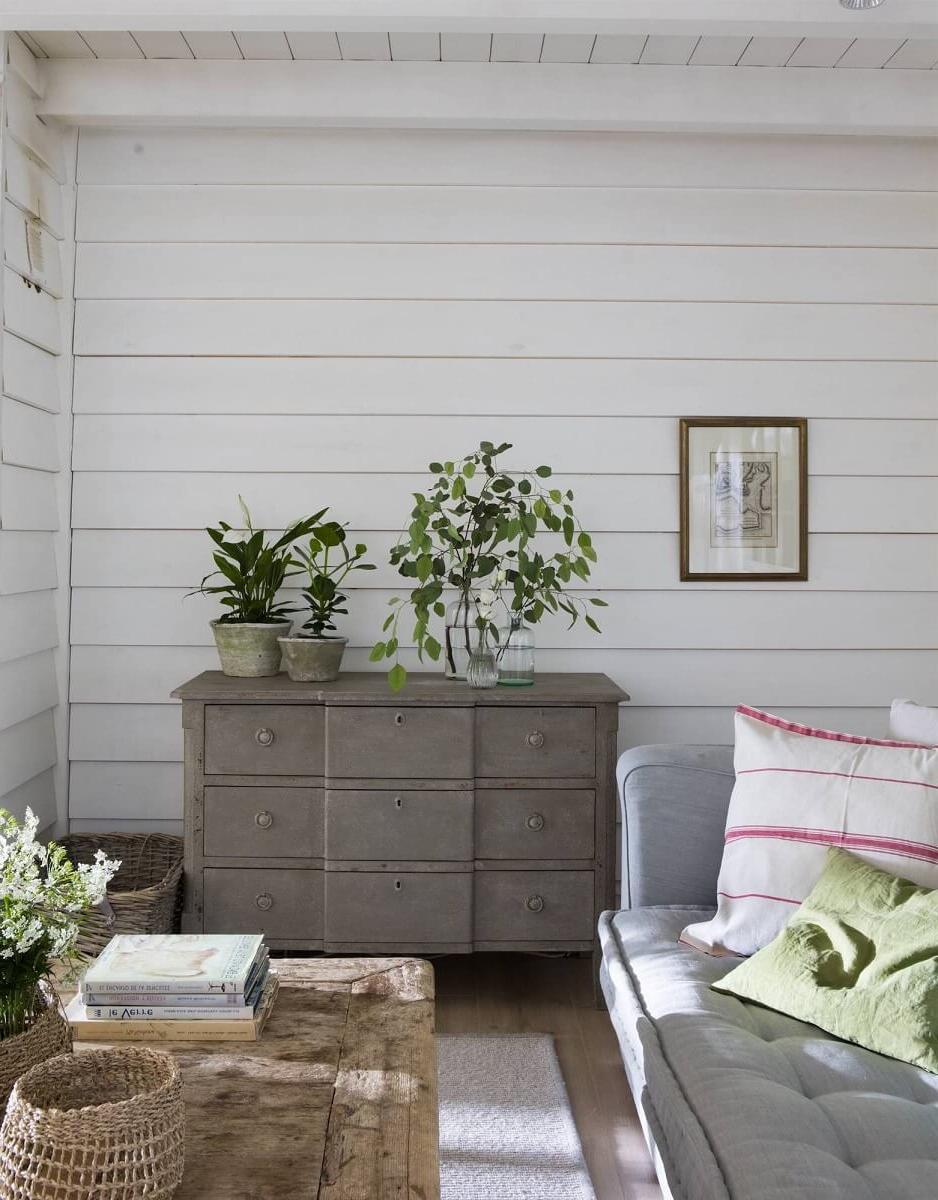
(248, 650)
(313, 660)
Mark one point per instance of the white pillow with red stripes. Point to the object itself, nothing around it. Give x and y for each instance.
(799, 790)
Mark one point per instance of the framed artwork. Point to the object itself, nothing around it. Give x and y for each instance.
(744, 498)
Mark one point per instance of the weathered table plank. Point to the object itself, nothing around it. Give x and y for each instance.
(337, 1101)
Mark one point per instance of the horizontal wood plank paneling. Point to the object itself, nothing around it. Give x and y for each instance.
(39, 795)
(27, 687)
(150, 790)
(597, 445)
(31, 250)
(24, 126)
(32, 188)
(502, 387)
(112, 825)
(588, 215)
(699, 678)
(363, 156)
(30, 313)
(27, 624)
(26, 750)
(27, 562)
(29, 436)
(175, 558)
(304, 271)
(719, 620)
(309, 317)
(27, 499)
(30, 374)
(617, 503)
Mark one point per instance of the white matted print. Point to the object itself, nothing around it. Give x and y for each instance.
(744, 498)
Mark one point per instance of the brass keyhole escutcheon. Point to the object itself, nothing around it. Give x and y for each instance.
(264, 901)
(398, 802)
(400, 720)
(397, 885)
(264, 737)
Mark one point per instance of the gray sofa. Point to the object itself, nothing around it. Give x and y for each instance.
(738, 1102)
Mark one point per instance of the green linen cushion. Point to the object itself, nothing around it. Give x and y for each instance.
(858, 959)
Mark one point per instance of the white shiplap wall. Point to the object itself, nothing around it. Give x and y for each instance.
(310, 317)
(34, 448)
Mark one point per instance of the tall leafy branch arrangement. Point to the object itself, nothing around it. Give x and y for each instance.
(473, 531)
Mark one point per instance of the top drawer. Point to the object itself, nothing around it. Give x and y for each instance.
(399, 743)
(263, 739)
(535, 743)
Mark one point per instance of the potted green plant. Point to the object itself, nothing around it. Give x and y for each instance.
(314, 654)
(474, 531)
(251, 570)
(43, 896)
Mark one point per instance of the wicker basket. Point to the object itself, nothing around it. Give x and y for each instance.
(145, 894)
(101, 1125)
(49, 1034)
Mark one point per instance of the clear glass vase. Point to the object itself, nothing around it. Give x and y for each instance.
(461, 638)
(482, 671)
(516, 655)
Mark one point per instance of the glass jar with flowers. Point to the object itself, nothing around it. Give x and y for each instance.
(42, 894)
(473, 532)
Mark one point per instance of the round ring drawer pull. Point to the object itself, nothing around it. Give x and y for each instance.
(400, 719)
(534, 904)
(535, 822)
(535, 739)
(263, 819)
(264, 901)
(264, 737)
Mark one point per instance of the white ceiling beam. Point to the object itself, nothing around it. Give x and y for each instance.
(490, 96)
(769, 18)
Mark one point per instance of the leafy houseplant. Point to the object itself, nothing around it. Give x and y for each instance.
(474, 531)
(42, 895)
(251, 570)
(315, 653)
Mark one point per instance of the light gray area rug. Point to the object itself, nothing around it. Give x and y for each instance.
(506, 1129)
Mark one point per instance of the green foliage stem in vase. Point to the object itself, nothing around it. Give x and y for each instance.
(252, 569)
(474, 531)
(324, 578)
(43, 895)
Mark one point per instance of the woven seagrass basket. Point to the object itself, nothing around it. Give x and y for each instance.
(145, 894)
(49, 1034)
(100, 1125)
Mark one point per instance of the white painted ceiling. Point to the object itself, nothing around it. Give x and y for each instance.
(658, 49)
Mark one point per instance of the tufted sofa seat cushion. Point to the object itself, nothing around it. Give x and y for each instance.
(743, 1103)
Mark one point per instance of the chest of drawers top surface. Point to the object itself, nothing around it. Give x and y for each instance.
(429, 688)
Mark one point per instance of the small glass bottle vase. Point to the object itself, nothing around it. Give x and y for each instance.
(516, 655)
(482, 671)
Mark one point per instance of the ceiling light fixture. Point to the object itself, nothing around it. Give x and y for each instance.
(860, 4)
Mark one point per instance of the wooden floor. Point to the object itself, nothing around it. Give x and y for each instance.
(518, 993)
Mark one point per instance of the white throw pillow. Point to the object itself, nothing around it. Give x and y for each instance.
(799, 790)
(911, 722)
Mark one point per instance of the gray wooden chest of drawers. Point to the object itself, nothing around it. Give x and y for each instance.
(344, 818)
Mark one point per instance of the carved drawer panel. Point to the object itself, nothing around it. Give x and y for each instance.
(535, 743)
(263, 739)
(374, 907)
(263, 822)
(280, 903)
(434, 826)
(534, 823)
(399, 743)
(533, 906)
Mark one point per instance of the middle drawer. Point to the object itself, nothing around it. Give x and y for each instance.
(434, 826)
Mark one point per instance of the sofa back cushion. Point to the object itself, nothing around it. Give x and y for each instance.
(799, 791)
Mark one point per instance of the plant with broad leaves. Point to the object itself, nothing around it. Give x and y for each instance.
(474, 531)
(253, 570)
(322, 595)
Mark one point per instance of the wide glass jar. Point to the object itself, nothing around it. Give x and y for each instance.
(461, 638)
(516, 655)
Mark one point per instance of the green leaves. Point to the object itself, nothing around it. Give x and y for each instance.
(397, 677)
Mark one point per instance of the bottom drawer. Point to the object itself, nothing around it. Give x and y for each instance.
(374, 906)
(275, 902)
(534, 906)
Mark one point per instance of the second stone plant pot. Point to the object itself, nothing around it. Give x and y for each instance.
(312, 660)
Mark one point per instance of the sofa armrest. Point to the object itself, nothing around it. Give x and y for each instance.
(673, 801)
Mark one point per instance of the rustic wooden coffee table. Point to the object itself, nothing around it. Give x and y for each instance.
(337, 1101)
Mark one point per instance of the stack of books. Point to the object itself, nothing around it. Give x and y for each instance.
(175, 987)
